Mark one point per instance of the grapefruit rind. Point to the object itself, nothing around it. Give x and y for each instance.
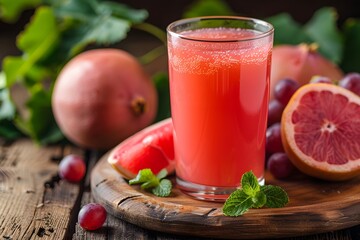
(139, 138)
(303, 162)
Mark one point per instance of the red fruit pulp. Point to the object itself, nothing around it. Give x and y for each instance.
(152, 147)
(328, 126)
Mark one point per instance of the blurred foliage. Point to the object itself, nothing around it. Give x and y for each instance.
(208, 8)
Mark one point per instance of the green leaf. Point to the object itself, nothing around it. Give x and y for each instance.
(259, 200)
(162, 174)
(39, 38)
(91, 22)
(287, 31)
(40, 125)
(148, 180)
(144, 175)
(322, 29)
(7, 108)
(124, 12)
(8, 130)
(351, 30)
(237, 203)
(10, 10)
(250, 184)
(79, 10)
(154, 182)
(208, 8)
(102, 30)
(163, 189)
(276, 197)
(161, 82)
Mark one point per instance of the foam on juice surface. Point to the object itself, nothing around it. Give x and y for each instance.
(205, 50)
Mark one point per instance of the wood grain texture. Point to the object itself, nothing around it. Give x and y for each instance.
(33, 202)
(315, 207)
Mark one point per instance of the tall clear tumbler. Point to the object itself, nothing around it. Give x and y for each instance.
(219, 69)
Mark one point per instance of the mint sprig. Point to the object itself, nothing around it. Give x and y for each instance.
(157, 184)
(252, 195)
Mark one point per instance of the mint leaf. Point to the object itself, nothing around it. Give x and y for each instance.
(148, 180)
(145, 175)
(252, 195)
(276, 197)
(259, 200)
(237, 203)
(163, 189)
(250, 184)
(162, 174)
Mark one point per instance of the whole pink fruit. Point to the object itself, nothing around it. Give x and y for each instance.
(103, 96)
(300, 63)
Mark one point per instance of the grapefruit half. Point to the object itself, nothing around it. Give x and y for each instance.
(320, 130)
(152, 147)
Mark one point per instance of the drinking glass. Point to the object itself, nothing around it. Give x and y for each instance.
(219, 71)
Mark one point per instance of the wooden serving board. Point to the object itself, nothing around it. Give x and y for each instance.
(315, 206)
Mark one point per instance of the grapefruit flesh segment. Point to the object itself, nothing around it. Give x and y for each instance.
(320, 130)
(152, 147)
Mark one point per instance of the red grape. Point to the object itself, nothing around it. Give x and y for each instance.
(275, 111)
(321, 79)
(351, 81)
(72, 168)
(279, 165)
(284, 89)
(273, 139)
(92, 216)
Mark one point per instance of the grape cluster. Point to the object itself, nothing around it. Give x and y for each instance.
(351, 81)
(277, 161)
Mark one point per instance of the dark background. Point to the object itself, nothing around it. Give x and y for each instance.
(163, 12)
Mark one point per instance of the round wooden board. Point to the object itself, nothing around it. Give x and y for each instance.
(315, 206)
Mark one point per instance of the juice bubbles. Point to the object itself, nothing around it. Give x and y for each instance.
(219, 88)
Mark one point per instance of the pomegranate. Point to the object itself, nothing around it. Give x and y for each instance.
(103, 96)
(300, 63)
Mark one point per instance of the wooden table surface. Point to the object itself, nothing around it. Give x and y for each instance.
(36, 204)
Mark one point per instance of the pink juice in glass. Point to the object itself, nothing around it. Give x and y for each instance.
(219, 92)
